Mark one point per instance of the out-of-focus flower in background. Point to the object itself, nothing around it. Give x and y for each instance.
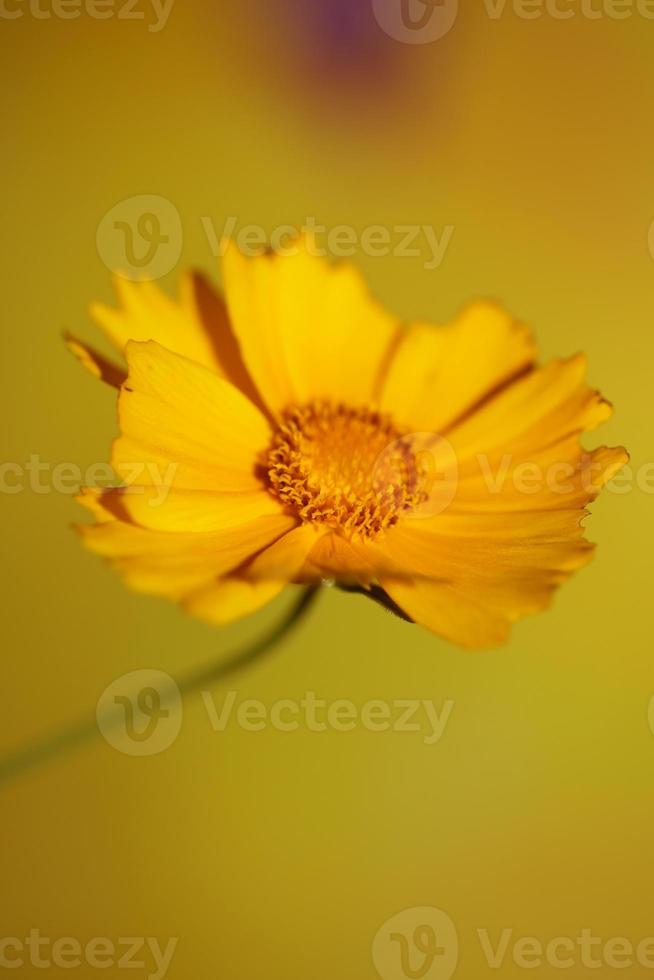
(343, 39)
(336, 59)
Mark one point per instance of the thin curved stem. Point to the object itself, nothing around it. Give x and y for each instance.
(77, 735)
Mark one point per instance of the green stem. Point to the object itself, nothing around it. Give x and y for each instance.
(77, 735)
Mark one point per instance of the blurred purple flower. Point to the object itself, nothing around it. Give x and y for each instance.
(342, 35)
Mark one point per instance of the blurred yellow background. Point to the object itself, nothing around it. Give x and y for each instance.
(281, 855)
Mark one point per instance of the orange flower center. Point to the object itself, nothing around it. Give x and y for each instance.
(349, 468)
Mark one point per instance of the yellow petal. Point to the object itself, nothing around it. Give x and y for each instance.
(172, 583)
(207, 307)
(335, 557)
(231, 599)
(196, 326)
(478, 547)
(91, 498)
(450, 613)
(438, 373)
(257, 582)
(175, 413)
(286, 557)
(475, 574)
(162, 509)
(146, 313)
(95, 363)
(536, 411)
(307, 328)
(172, 563)
(563, 476)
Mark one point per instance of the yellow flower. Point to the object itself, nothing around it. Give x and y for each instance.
(299, 433)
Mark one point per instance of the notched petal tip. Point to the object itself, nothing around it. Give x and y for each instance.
(294, 237)
(605, 463)
(93, 500)
(95, 363)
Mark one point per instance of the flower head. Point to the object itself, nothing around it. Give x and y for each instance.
(297, 433)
